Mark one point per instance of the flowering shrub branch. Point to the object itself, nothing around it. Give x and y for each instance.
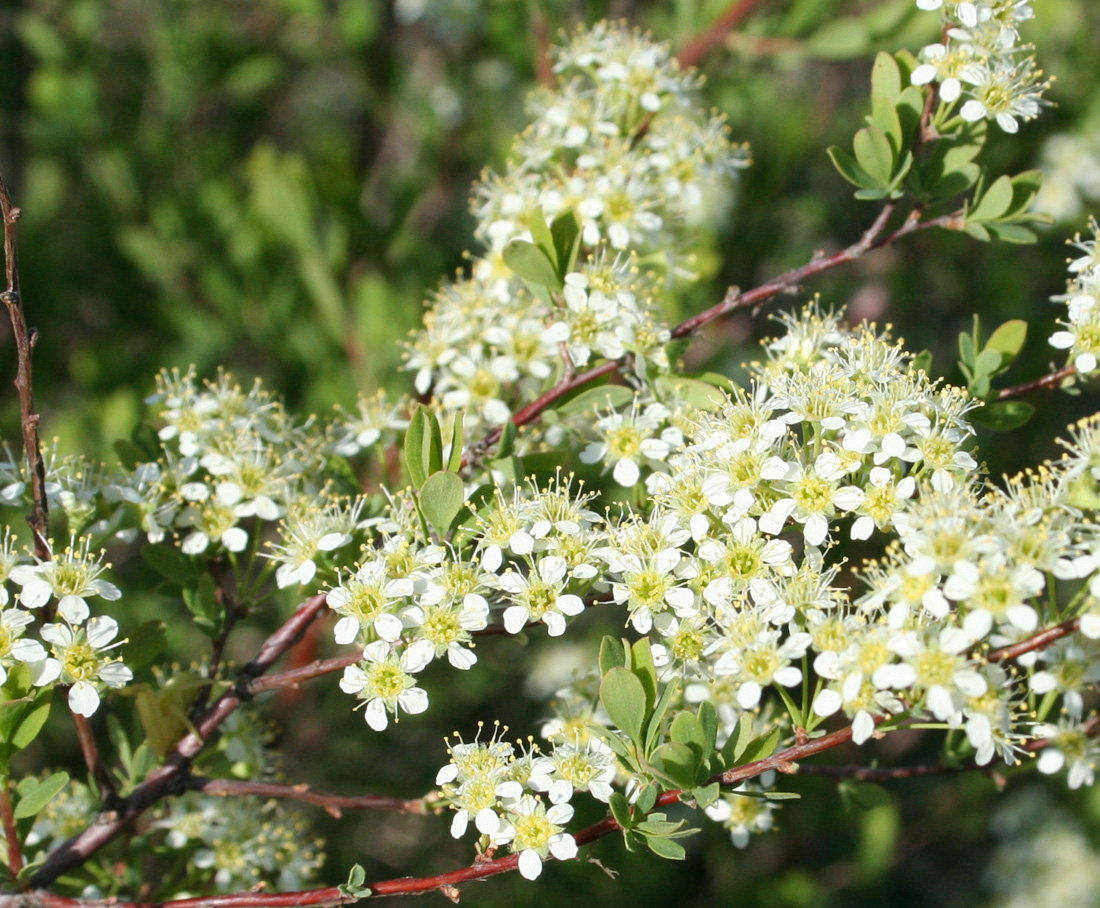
(719, 520)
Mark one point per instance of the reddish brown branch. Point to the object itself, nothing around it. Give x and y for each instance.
(296, 676)
(38, 519)
(734, 299)
(884, 773)
(1041, 640)
(699, 46)
(96, 769)
(541, 46)
(479, 870)
(14, 857)
(169, 778)
(332, 803)
(1045, 383)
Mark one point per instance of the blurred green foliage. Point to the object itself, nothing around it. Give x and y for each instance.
(276, 186)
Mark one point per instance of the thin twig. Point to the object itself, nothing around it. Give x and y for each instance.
(884, 773)
(11, 834)
(96, 768)
(541, 47)
(1040, 640)
(482, 869)
(699, 46)
(734, 299)
(295, 676)
(1045, 383)
(38, 519)
(332, 803)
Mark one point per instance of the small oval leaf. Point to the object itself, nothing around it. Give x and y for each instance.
(441, 498)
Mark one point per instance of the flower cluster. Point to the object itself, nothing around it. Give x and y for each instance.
(982, 63)
(622, 142)
(1081, 330)
(519, 797)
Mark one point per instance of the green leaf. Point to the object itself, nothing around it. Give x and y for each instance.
(706, 795)
(416, 442)
(708, 719)
(615, 741)
(922, 362)
(566, 232)
(21, 720)
(987, 363)
(354, 887)
(647, 799)
(874, 155)
(604, 397)
(641, 663)
(507, 443)
(760, 748)
(980, 387)
(700, 394)
(657, 824)
(910, 107)
(1013, 233)
(1004, 415)
(624, 699)
(884, 116)
(885, 78)
(201, 599)
(1024, 188)
(530, 263)
(611, 654)
(781, 795)
(34, 795)
(620, 809)
(978, 232)
(433, 453)
(145, 644)
(169, 562)
(994, 203)
(1008, 340)
(657, 718)
(668, 849)
(688, 730)
(458, 440)
(540, 233)
(968, 354)
(441, 498)
(738, 740)
(679, 762)
(848, 168)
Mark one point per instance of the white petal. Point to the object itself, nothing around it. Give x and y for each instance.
(515, 618)
(73, 609)
(346, 630)
(530, 864)
(101, 631)
(83, 698)
(414, 700)
(827, 702)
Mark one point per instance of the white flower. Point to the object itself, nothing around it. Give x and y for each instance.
(540, 596)
(383, 680)
(77, 659)
(71, 576)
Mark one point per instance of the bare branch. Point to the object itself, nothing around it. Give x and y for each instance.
(332, 803)
(38, 520)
